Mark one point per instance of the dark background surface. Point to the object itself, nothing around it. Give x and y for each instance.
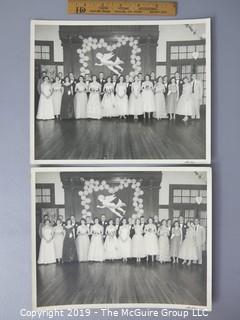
(15, 245)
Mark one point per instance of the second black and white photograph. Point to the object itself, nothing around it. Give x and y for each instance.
(122, 237)
(120, 92)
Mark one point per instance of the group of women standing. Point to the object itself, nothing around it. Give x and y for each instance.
(121, 98)
(114, 241)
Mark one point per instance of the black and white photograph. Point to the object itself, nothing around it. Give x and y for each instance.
(133, 237)
(120, 92)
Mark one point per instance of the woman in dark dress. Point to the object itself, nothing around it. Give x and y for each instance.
(67, 106)
(69, 246)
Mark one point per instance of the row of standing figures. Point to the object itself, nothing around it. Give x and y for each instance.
(108, 241)
(66, 99)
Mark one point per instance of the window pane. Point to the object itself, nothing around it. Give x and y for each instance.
(200, 48)
(174, 56)
(45, 49)
(176, 213)
(38, 199)
(185, 199)
(174, 49)
(182, 49)
(46, 192)
(38, 192)
(177, 200)
(177, 192)
(38, 56)
(194, 193)
(203, 193)
(185, 192)
(191, 49)
(183, 56)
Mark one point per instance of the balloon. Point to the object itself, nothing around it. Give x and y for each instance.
(96, 189)
(89, 214)
(80, 193)
(101, 40)
(138, 184)
(86, 207)
(125, 184)
(84, 211)
(94, 46)
(140, 206)
(140, 200)
(135, 204)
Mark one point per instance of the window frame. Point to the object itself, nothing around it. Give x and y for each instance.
(52, 194)
(49, 44)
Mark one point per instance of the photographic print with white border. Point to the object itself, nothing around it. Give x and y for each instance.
(139, 92)
(122, 237)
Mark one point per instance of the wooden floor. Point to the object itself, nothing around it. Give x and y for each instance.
(116, 282)
(119, 139)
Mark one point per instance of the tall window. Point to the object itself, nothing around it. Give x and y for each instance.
(180, 58)
(189, 201)
(44, 51)
(45, 194)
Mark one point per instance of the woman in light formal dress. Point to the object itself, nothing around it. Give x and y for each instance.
(148, 97)
(82, 241)
(185, 106)
(160, 100)
(57, 96)
(150, 240)
(175, 242)
(136, 100)
(121, 98)
(138, 251)
(108, 101)
(172, 97)
(111, 242)
(67, 107)
(124, 240)
(94, 106)
(69, 245)
(188, 249)
(47, 250)
(96, 248)
(58, 238)
(80, 99)
(163, 243)
(45, 106)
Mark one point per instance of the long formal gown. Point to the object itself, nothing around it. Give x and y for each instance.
(138, 250)
(148, 97)
(124, 241)
(185, 104)
(58, 240)
(160, 102)
(47, 250)
(69, 246)
(80, 101)
(57, 97)
(82, 242)
(175, 242)
(150, 240)
(67, 108)
(136, 100)
(108, 101)
(96, 249)
(94, 106)
(121, 99)
(45, 106)
(188, 249)
(163, 245)
(111, 243)
(171, 101)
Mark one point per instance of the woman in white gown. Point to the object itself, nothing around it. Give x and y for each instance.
(82, 241)
(188, 249)
(96, 248)
(163, 243)
(108, 101)
(111, 242)
(150, 239)
(58, 237)
(138, 251)
(135, 100)
(47, 250)
(94, 106)
(124, 240)
(80, 99)
(121, 98)
(45, 106)
(148, 97)
(57, 96)
(160, 102)
(185, 106)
